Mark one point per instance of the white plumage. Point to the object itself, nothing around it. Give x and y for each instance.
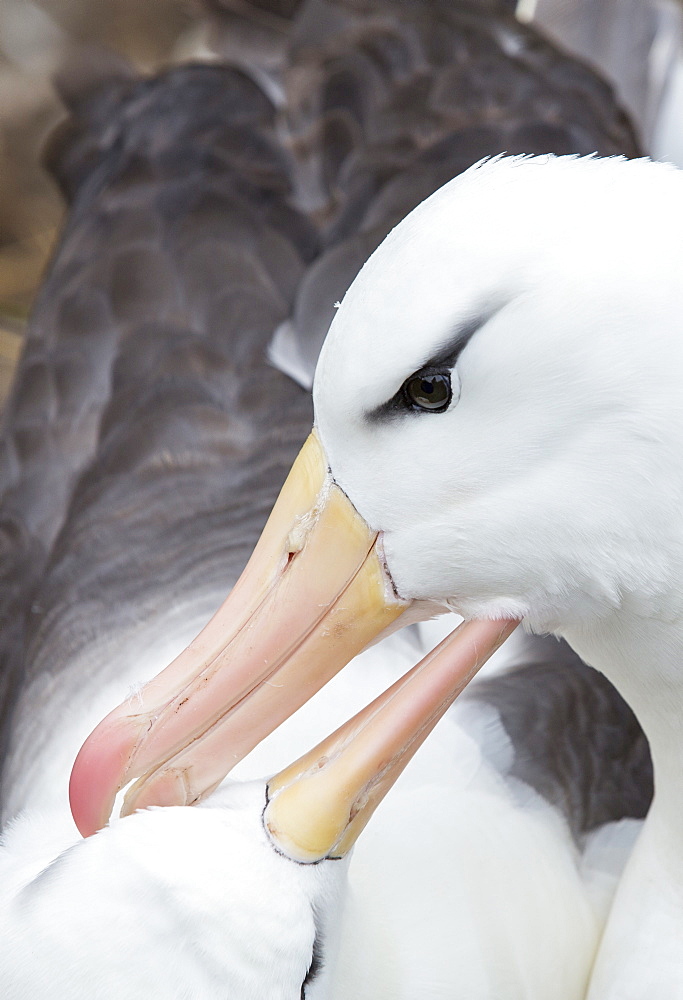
(551, 487)
(141, 909)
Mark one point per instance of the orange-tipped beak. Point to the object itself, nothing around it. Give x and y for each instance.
(312, 596)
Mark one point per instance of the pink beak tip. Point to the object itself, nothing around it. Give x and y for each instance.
(97, 775)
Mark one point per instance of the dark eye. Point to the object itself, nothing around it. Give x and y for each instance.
(428, 391)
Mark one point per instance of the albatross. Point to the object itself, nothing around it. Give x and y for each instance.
(498, 430)
(144, 442)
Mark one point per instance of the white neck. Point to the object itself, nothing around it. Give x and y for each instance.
(643, 657)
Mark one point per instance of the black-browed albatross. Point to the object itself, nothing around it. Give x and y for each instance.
(129, 464)
(518, 460)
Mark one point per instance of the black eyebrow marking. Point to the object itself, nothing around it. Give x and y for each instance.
(446, 357)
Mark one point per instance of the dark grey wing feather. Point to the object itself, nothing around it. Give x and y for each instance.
(575, 740)
(160, 434)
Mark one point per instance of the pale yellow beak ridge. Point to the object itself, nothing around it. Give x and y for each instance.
(318, 806)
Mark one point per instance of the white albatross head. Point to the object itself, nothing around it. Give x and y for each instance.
(549, 293)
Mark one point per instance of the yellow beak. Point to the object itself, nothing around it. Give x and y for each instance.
(313, 595)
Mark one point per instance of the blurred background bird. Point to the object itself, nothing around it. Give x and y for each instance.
(636, 45)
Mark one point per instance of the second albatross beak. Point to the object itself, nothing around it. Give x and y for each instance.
(318, 806)
(314, 594)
